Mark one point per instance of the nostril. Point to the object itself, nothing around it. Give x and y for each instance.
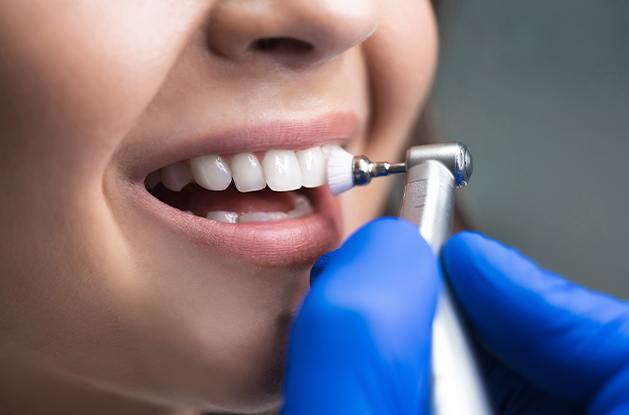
(296, 34)
(284, 45)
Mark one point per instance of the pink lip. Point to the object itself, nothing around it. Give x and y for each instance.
(279, 243)
(284, 134)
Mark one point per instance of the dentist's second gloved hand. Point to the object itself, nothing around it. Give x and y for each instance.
(361, 341)
(552, 347)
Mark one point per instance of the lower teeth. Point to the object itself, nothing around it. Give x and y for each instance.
(261, 217)
(302, 208)
(222, 216)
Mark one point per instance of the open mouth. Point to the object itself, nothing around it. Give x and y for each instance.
(256, 194)
(245, 187)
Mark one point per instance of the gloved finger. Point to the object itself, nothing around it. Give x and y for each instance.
(512, 394)
(320, 265)
(361, 340)
(613, 398)
(561, 336)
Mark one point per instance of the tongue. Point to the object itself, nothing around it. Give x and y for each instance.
(201, 201)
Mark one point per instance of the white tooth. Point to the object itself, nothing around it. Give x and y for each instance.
(281, 170)
(312, 164)
(211, 172)
(247, 172)
(261, 216)
(301, 209)
(153, 179)
(327, 148)
(176, 176)
(222, 216)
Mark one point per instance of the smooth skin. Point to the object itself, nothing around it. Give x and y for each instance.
(101, 311)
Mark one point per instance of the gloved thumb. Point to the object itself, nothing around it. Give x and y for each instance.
(564, 338)
(361, 340)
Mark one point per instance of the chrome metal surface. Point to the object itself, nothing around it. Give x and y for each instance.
(384, 168)
(361, 171)
(428, 201)
(364, 170)
(433, 172)
(455, 156)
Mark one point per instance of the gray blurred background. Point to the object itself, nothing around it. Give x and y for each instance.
(539, 90)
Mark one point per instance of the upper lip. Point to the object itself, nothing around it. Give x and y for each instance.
(282, 134)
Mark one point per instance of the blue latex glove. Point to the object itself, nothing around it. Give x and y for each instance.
(361, 341)
(553, 347)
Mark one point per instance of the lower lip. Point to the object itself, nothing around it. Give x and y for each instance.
(280, 243)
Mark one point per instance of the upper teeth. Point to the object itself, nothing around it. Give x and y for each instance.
(281, 170)
(211, 172)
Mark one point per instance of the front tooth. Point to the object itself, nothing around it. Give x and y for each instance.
(223, 216)
(261, 216)
(176, 176)
(281, 170)
(312, 164)
(211, 172)
(247, 172)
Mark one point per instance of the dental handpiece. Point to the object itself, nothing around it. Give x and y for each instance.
(432, 173)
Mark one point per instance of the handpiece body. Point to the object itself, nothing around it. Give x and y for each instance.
(428, 201)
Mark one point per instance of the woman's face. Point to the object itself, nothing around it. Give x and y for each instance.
(104, 283)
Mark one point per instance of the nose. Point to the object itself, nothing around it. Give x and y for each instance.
(294, 33)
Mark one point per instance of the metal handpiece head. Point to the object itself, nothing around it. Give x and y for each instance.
(455, 156)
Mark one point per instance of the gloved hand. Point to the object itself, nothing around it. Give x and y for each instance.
(552, 346)
(361, 341)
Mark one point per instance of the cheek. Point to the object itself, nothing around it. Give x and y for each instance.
(401, 58)
(72, 83)
(77, 78)
(74, 76)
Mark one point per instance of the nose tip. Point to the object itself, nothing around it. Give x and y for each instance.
(291, 32)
